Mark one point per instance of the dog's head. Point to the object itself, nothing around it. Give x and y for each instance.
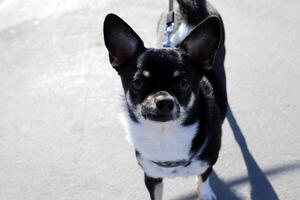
(161, 84)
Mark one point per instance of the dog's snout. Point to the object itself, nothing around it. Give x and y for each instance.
(165, 104)
(160, 107)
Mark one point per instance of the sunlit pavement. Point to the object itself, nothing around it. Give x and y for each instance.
(60, 135)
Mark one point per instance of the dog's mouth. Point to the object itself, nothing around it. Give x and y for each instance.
(158, 117)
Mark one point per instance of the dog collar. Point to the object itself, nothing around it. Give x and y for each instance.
(169, 164)
(183, 163)
(169, 26)
(178, 163)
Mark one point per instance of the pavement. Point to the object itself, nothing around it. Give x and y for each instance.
(60, 135)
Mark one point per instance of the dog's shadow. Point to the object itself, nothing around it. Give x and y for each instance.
(260, 186)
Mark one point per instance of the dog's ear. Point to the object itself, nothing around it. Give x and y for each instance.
(203, 41)
(120, 40)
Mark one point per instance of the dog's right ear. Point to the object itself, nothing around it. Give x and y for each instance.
(120, 40)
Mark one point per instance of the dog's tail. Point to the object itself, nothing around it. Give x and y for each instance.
(194, 11)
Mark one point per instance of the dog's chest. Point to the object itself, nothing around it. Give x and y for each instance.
(162, 141)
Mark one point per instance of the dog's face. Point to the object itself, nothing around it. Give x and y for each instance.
(161, 85)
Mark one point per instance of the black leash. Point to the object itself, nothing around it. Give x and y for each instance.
(169, 26)
(170, 15)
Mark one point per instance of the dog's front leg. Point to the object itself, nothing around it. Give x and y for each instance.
(155, 187)
(204, 190)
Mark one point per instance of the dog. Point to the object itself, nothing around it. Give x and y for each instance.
(175, 98)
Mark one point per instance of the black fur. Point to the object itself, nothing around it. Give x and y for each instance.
(193, 11)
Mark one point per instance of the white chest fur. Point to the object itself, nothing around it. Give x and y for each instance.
(168, 141)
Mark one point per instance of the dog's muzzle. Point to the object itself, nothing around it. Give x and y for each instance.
(159, 107)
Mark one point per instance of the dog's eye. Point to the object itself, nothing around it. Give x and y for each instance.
(138, 84)
(183, 85)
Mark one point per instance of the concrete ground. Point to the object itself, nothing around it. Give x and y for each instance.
(60, 138)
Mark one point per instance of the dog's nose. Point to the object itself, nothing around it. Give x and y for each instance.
(165, 105)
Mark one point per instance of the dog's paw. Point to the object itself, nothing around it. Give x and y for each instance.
(206, 192)
(209, 195)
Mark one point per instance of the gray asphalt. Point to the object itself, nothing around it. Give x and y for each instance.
(60, 135)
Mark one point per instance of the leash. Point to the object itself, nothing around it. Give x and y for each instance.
(169, 26)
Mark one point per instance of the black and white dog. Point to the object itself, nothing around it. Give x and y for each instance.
(176, 97)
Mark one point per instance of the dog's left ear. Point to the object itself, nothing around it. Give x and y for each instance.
(203, 41)
(120, 40)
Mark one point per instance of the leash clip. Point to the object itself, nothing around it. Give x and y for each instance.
(168, 31)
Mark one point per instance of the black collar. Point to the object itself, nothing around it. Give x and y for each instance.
(169, 164)
(177, 163)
